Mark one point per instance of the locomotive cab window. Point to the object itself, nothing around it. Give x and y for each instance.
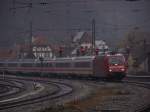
(116, 60)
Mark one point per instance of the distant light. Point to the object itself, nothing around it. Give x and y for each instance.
(108, 55)
(119, 54)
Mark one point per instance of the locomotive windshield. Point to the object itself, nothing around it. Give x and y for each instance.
(119, 60)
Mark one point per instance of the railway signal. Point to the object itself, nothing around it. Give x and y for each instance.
(82, 50)
(96, 51)
(60, 51)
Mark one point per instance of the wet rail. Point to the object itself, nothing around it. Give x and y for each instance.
(63, 89)
(9, 85)
(139, 81)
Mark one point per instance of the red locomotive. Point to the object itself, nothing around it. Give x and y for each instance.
(107, 66)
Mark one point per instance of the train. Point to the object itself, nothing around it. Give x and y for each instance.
(101, 66)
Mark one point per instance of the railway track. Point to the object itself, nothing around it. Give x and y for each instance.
(144, 107)
(3, 89)
(63, 89)
(11, 88)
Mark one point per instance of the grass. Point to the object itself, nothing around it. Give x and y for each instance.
(91, 101)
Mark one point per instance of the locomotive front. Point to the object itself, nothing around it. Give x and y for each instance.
(117, 66)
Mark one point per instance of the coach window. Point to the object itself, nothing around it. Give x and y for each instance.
(26, 65)
(12, 64)
(82, 64)
(38, 64)
(62, 64)
(1, 65)
(50, 65)
(45, 64)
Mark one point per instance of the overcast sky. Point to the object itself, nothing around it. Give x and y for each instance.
(58, 19)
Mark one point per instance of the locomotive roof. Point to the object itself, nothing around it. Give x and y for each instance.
(47, 60)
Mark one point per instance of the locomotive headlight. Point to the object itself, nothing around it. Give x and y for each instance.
(122, 69)
(110, 70)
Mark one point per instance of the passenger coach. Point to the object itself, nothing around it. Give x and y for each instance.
(107, 66)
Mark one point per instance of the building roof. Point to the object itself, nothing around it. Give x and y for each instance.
(78, 36)
(7, 53)
(39, 40)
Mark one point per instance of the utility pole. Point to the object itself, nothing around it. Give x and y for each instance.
(93, 36)
(145, 54)
(31, 33)
(30, 40)
(16, 4)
